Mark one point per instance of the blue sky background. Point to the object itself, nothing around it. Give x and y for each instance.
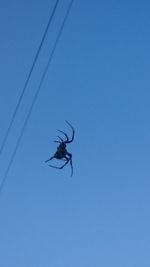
(99, 81)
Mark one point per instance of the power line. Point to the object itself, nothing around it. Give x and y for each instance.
(28, 78)
(36, 96)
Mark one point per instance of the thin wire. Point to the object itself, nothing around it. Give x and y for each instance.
(36, 96)
(28, 78)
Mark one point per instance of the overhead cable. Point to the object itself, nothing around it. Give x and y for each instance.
(27, 79)
(36, 96)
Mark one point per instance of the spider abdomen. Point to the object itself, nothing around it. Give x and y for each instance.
(60, 153)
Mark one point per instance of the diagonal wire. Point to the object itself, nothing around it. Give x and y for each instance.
(36, 96)
(28, 79)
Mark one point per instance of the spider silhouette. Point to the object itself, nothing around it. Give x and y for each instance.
(61, 152)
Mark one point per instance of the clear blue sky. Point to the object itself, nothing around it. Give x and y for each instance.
(99, 81)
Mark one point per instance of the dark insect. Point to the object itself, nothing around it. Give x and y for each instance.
(61, 152)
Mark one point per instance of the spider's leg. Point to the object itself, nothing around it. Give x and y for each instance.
(60, 138)
(71, 166)
(61, 167)
(67, 138)
(70, 159)
(73, 132)
(49, 159)
(56, 141)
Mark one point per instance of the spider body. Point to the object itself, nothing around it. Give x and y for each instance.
(61, 152)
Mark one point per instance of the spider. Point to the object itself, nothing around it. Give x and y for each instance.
(61, 152)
